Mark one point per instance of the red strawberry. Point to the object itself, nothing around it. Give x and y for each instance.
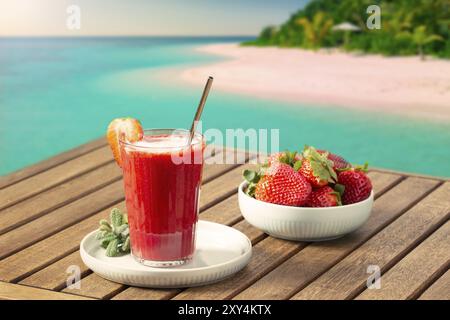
(128, 128)
(357, 185)
(324, 197)
(280, 184)
(338, 161)
(316, 168)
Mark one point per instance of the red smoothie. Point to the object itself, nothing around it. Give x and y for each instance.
(162, 178)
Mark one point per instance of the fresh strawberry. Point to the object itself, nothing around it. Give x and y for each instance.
(286, 157)
(316, 168)
(356, 185)
(279, 184)
(127, 129)
(338, 161)
(324, 197)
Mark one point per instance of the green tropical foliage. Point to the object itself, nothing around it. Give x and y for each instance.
(315, 30)
(408, 27)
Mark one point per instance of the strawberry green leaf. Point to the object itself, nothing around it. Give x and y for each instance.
(338, 198)
(363, 168)
(298, 165)
(251, 190)
(322, 167)
(340, 188)
(333, 173)
(320, 171)
(250, 176)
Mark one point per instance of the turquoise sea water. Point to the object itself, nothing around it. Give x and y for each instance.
(58, 93)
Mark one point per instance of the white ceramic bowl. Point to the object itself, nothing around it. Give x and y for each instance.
(303, 224)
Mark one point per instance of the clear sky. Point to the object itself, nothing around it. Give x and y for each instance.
(144, 17)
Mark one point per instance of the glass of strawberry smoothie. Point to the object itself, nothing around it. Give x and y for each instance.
(162, 175)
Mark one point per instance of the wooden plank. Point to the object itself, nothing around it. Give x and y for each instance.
(41, 254)
(135, 293)
(46, 164)
(440, 290)
(9, 291)
(56, 197)
(60, 218)
(225, 212)
(222, 188)
(223, 161)
(95, 286)
(54, 276)
(408, 278)
(316, 258)
(410, 174)
(54, 176)
(382, 182)
(348, 278)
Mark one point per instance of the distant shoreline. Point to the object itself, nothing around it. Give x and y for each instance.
(399, 85)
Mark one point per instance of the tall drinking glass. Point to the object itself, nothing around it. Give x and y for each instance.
(162, 177)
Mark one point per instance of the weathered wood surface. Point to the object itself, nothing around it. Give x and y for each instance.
(46, 209)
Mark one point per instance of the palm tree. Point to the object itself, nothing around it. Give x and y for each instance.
(421, 38)
(315, 30)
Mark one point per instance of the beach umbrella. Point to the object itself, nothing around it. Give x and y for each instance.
(347, 27)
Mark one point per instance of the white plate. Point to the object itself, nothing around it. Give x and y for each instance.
(304, 224)
(220, 252)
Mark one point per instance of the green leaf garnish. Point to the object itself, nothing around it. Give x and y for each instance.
(116, 217)
(114, 236)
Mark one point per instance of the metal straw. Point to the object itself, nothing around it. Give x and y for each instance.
(200, 107)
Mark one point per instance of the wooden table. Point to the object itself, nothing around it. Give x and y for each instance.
(47, 208)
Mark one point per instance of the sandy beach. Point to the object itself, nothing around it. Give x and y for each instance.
(402, 85)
